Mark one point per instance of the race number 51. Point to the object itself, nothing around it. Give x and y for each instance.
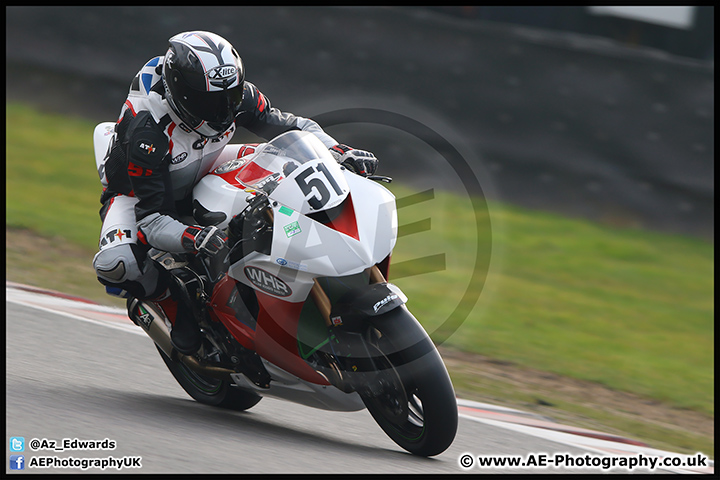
(308, 184)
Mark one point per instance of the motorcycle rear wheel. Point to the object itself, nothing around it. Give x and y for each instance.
(209, 390)
(417, 407)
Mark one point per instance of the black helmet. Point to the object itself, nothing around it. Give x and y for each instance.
(203, 77)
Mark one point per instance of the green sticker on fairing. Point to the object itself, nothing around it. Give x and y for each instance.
(292, 229)
(285, 211)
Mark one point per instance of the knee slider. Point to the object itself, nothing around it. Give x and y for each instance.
(117, 264)
(127, 268)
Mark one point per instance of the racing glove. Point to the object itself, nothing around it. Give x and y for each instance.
(357, 161)
(208, 240)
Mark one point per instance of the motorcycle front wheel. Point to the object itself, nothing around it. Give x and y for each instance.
(209, 390)
(412, 398)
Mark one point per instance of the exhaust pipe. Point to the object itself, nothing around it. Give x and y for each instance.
(211, 371)
(152, 321)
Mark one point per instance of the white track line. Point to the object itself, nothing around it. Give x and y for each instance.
(55, 306)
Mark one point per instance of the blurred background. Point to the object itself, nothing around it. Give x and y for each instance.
(605, 113)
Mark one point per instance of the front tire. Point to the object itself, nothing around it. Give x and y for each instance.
(209, 390)
(415, 404)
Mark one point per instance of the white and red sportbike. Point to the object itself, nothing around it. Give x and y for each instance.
(299, 307)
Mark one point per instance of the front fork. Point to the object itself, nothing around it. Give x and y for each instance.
(323, 302)
(355, 366)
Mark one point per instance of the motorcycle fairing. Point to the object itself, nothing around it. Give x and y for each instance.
(230, 309)
(318, 231)
(276, 337)
(303, 248)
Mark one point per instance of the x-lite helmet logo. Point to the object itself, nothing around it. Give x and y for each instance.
(223, 71)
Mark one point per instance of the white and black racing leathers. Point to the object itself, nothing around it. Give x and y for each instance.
(151, 168)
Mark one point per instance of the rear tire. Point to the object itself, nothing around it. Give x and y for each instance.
(209, 390)
(417, 408)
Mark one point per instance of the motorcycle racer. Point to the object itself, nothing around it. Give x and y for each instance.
(175, 126)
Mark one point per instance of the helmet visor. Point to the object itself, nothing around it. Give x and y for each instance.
(217, 108)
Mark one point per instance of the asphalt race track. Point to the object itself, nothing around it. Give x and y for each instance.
(80, 371)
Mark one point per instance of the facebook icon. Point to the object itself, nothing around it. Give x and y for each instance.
(17, 462)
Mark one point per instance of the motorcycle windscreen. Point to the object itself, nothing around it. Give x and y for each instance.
(297, 171)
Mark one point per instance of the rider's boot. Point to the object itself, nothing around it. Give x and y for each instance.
(185, 334)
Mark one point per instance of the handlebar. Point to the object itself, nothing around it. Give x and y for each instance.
(379, 178)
